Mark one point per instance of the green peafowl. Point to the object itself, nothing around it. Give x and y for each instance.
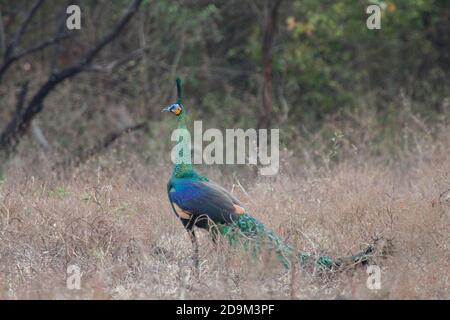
(199, 202)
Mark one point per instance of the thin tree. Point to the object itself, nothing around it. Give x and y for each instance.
(27, 110)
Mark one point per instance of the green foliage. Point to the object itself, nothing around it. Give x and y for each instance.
(326, 65)
(331, 57)
(325, 58)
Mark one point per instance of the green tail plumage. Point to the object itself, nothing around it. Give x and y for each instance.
(253, 235)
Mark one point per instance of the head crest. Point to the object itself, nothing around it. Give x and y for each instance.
(178, 81)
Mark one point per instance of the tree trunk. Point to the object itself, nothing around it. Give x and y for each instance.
(269, 29)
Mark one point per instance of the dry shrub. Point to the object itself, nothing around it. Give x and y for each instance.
(111, 218)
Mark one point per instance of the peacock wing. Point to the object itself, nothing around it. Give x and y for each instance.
(199, 198)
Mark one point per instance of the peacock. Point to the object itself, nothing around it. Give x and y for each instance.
(199, 202)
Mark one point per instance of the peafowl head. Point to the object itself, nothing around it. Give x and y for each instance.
(175, 108)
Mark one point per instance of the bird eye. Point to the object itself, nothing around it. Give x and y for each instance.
(178, 110)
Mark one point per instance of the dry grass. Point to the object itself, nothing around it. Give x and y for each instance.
(113, 220)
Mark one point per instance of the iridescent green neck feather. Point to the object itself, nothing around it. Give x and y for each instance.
(182, 167)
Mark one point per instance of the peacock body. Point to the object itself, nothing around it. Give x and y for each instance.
(199, 202)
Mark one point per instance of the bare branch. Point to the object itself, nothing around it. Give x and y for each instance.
(40, 46)
(111, 66)
(2, 36)
(60, 30)
(102, 145)
(23, 27)
(21, 97)
(89, 56)
(19, 125)
(39, 136)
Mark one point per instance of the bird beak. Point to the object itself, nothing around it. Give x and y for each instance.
(167, 109)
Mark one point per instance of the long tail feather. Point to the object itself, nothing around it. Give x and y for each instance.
(253, 235)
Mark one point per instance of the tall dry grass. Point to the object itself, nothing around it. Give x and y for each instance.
(111, 218)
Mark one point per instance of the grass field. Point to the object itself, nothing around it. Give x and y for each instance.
(112, 219)
(359, 91)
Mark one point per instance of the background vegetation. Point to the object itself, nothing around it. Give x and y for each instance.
(364, 118)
